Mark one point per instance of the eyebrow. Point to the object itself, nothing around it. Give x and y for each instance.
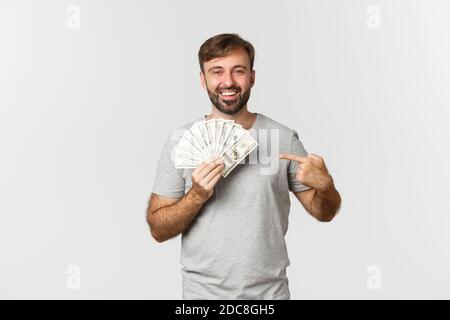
(235, 67)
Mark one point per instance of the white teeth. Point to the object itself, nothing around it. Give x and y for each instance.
(228, 93)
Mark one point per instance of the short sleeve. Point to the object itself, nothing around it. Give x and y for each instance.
(169, 181)
(298, 149)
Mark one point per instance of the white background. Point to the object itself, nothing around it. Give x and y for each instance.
(84, 113)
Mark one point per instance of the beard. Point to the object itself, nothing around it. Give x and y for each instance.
(229, 107)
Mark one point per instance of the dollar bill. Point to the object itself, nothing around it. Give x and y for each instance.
(237, 152)
(214, 137)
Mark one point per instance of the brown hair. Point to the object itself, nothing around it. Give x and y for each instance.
(222, 45)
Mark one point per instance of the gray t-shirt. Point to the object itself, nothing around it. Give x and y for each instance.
(235, 247)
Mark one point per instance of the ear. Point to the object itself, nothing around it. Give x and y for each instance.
(202, 80)
(253, 78)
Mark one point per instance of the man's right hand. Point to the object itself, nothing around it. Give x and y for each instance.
(206, 176)
(169, 217)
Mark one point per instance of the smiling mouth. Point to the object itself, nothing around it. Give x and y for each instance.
(228, 94)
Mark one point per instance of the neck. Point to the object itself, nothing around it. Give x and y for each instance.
(243, 117)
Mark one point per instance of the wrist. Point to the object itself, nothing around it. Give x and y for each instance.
(327, 185)
(196, 197)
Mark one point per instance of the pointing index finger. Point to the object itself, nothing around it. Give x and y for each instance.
(293, 157)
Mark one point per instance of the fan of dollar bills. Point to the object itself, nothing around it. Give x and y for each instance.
(208, 138)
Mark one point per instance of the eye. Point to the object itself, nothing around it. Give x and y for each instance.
(240, 71)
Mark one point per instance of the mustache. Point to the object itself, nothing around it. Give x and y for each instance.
(230, 88)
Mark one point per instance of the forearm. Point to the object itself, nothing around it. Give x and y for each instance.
(170, 221)
(326, 203)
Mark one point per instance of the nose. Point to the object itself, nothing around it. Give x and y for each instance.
(228, 80)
